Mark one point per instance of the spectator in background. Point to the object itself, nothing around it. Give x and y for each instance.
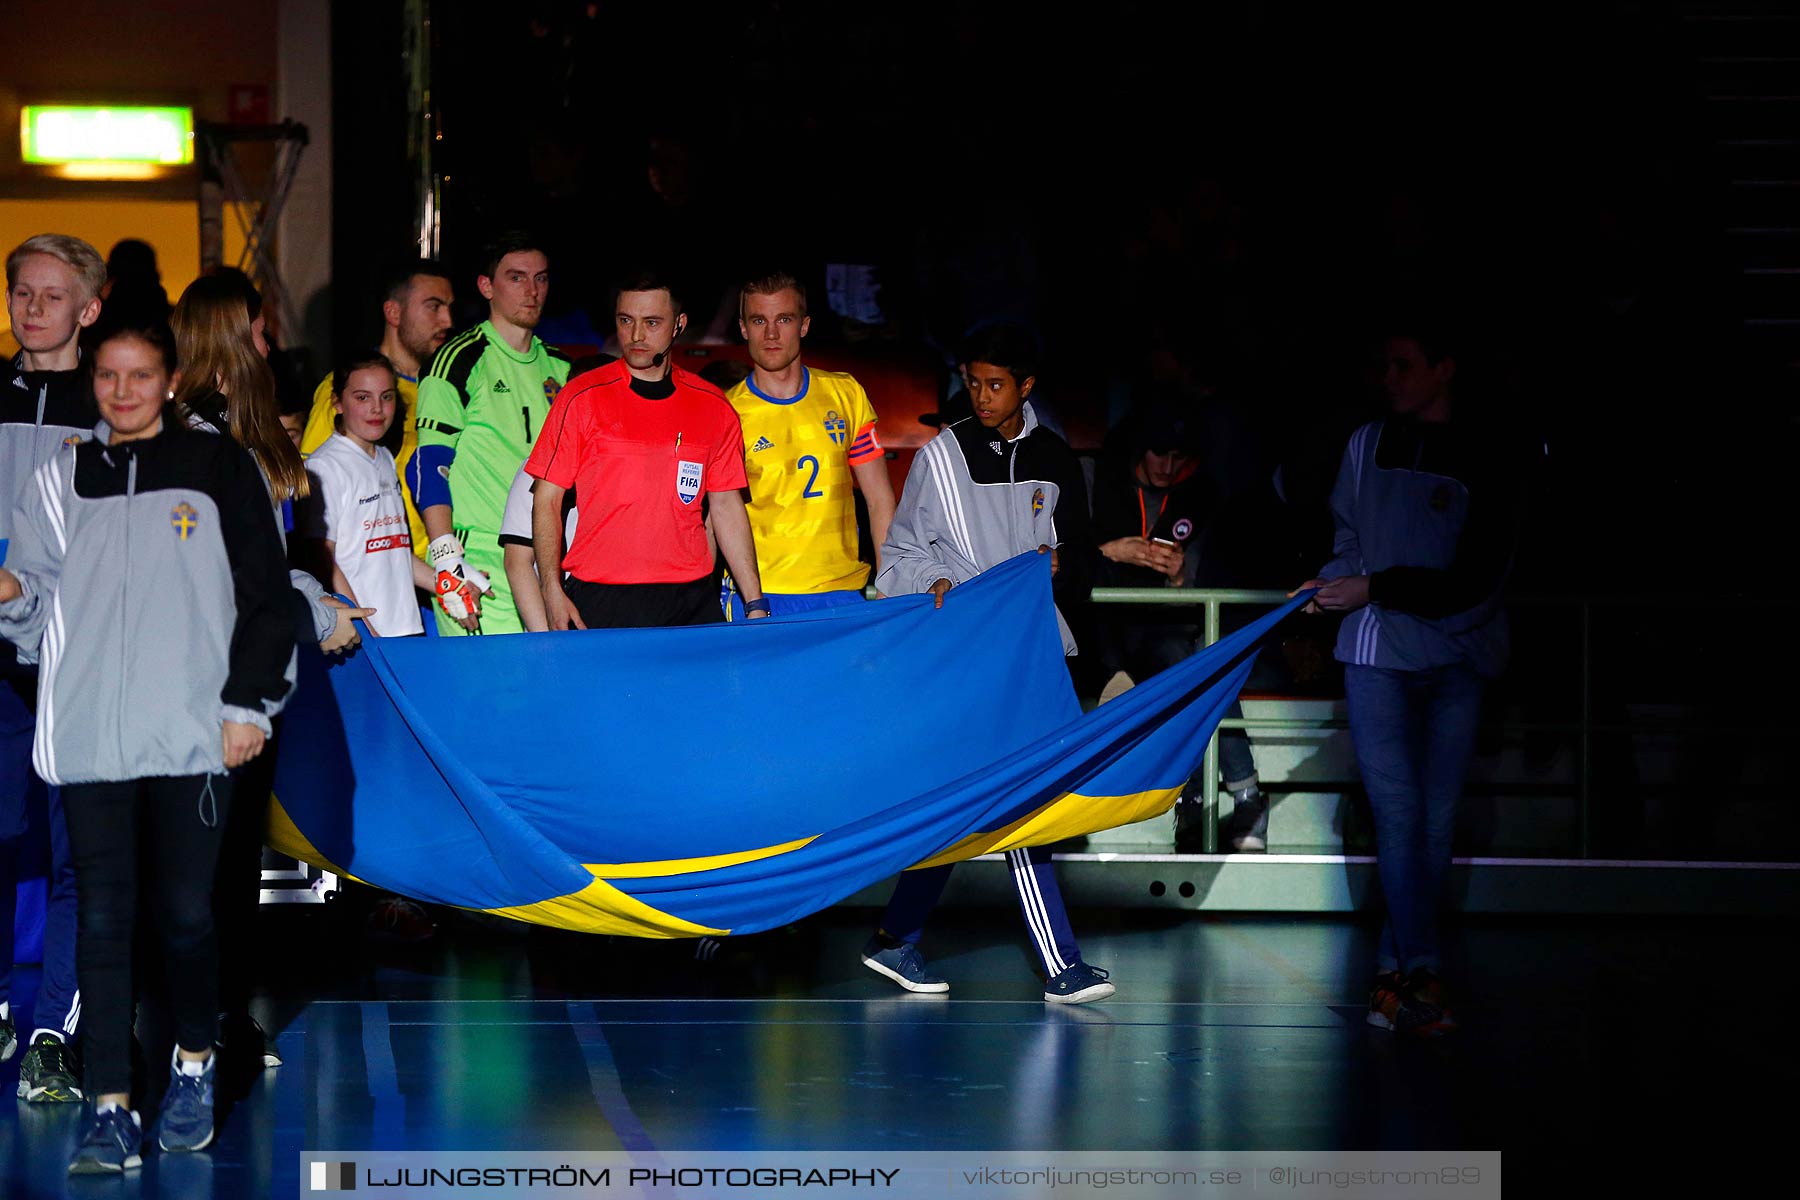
(416, 304)
(293, 418)
(1152, 501)
(134, 290)
(1428, 504)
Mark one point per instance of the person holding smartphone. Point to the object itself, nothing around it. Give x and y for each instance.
(1152, 503)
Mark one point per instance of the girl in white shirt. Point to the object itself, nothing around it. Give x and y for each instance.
(358, 515)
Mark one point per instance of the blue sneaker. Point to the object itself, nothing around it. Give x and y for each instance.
(187, 1108)
(111, 1141)
(1078, 985)
(903, 964)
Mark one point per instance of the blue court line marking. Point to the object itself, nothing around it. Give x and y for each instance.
(609, 1092)
(388, 1126)
(1094, 1022)
(662, 1001)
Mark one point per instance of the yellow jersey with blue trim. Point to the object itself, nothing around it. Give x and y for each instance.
(798, 454)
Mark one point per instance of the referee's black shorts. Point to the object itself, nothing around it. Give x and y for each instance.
(644, 605)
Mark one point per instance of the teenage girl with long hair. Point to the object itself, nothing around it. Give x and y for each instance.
(147, 525)
(227, 388)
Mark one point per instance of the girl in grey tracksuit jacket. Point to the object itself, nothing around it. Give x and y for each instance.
(148, 569)
(155, 595)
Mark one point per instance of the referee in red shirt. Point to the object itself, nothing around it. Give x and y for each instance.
(641, 441)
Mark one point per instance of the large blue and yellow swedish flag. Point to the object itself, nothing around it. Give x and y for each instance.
(731, 778)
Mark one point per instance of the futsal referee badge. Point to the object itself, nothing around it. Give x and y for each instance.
(687, 480)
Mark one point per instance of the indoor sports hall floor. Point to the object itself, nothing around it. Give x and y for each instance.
(1228, 1032)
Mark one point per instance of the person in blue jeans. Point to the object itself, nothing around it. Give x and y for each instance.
(1427, 508)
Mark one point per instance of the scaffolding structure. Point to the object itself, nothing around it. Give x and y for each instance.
(257, 212)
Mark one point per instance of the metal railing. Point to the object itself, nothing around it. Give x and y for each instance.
(1213, 600)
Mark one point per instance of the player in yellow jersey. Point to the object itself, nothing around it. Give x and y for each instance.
(416, 315)
(809, 442)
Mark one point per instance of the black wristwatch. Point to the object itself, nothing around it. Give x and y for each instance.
(759, 605)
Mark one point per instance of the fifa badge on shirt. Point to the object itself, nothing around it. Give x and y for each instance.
(687, 480)
(836, 427)
(1184, 529)
(183, 517)
(1037, 502)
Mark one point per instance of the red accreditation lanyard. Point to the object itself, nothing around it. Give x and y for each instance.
(1144, 515)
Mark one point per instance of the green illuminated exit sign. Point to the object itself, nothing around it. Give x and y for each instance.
(68, 134)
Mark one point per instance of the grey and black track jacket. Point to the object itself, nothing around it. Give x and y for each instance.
(973, 500)
(40, 411)
(156, 597)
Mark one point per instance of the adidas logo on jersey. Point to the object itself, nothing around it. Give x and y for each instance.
(500, 386)
(762, 443)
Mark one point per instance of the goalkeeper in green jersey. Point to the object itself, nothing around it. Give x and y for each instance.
(481, 406)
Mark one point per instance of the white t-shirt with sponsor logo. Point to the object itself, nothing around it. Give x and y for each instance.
(356, 504)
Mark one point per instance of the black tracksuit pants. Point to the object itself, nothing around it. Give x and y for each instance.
(181, 821)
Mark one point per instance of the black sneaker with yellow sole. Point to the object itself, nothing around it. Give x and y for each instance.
(50, 1073)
